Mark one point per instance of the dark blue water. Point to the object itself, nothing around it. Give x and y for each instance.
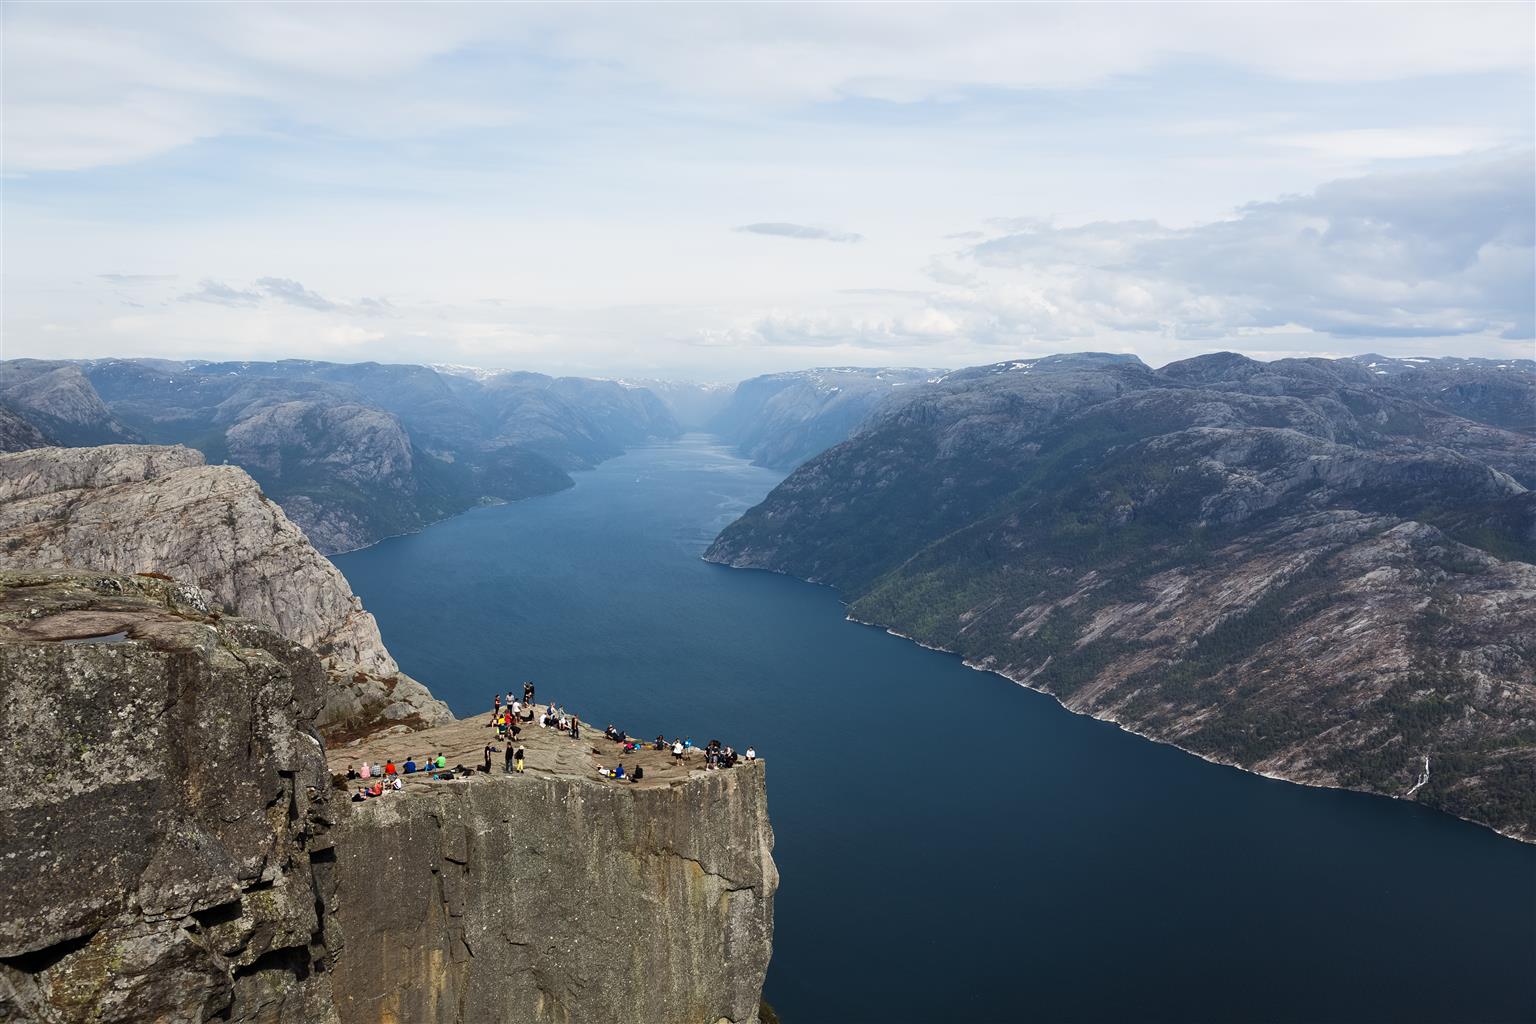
(953, 846)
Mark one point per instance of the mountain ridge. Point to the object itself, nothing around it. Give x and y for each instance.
(1075, 525)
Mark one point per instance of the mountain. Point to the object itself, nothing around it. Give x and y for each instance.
(1303, 568)
(17, 435)
(354, 452)
(161, 511)
(57, 400)
(782, 419)
(694, 406)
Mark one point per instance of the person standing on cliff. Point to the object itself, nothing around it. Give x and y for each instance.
(518, 766)
(488, 749)
(506, 767)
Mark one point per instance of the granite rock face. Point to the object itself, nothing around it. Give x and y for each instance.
(164, 801)
(152, 509)
(557, 899)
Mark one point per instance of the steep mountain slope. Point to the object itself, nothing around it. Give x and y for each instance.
(1297, 567)
(17, 434)
(144, 509)
(354, 452)
(782, 419)
(58, 400)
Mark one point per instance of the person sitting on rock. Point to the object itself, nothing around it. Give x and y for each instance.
(389, 768)
(639, 773)
(397, 785)
(410, 765)
(442, 762)
(660, 744)
(618, 772)
(363, 773)
(378, 770)
(351, 773)
(751, 753)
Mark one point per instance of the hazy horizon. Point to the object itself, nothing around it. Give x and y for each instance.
(711, 193)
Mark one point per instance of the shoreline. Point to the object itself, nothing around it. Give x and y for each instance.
(1207, 758)
(977, 666)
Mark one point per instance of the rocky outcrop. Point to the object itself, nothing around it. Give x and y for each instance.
(551, 898)
(150, 509)
(1300, 568)
(175, 852)
(165, 798)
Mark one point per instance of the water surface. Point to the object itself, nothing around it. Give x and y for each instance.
(952, 846)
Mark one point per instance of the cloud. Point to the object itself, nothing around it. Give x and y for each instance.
(221, 294)
(806, 231)
(294, 294)
(1428, 254)
(131, 81)
(136, 279)
(283, 290)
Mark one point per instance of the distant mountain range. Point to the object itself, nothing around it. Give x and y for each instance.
(782, 419)
(1319, 569)
(353, 452)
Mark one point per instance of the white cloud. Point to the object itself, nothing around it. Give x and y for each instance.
(105, 84)
(1435, 253)
(803, 231)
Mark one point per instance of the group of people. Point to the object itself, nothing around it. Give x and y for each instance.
(716, 755)
(506, 718)
(388, 777)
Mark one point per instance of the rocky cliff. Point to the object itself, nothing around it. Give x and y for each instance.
(1304, 568)
(165, 799)
(175, 851)
(149, 509)
(557, 897)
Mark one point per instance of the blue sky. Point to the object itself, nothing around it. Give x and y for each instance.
(709, 192)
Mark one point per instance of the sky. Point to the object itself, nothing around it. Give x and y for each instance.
(708, 192)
